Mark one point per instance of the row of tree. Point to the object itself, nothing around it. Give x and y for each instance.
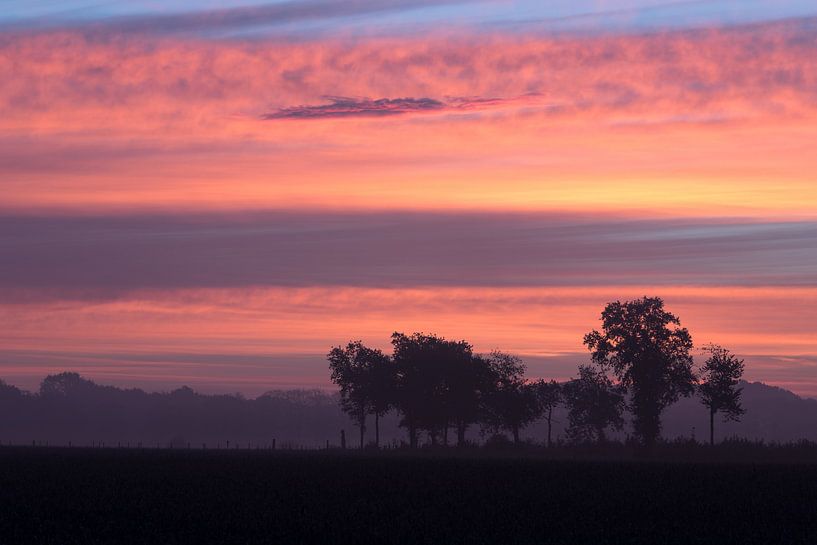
(640, 361)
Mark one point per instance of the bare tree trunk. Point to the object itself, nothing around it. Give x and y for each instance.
(460, 434)
(377, 430)
(516, 435)
(711, 427)
(412, 430)
(445, 435)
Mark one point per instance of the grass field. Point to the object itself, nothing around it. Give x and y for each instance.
(164, 496)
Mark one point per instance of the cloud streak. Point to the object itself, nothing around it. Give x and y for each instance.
(366, 107)
(117, 254)
(353, 107)
(268, 14)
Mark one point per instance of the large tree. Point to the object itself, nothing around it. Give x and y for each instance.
(511, 402)
(434, 384)
(549, 395)
(649, 352)
(718, 387)
(594, 404)
(353, 369)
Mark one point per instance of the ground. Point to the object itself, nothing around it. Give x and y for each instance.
(61, 496)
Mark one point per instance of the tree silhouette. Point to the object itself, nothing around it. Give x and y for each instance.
(470, 381)
(352, 369)
(9, 392)
(718, 389)
(413, 384)
(511, 403)
(648, 351)
(549, 395)
(11, 403)
(594, 403)
(381, 385)
(66, 384)
(433, 385)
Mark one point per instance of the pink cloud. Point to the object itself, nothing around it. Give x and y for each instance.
(527, 121)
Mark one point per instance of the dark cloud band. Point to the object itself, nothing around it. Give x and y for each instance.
(90, 256)
(268, 14)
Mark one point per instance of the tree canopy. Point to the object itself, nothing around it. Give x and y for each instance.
(359, 372)
(511, 403)
(649, 352)
(595, 404)
(718, 386)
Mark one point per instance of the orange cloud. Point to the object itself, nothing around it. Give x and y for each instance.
(595, 123)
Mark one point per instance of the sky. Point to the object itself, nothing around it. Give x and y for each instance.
(214, 194)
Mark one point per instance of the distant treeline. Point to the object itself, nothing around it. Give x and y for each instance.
(437, 385)
(70, 409)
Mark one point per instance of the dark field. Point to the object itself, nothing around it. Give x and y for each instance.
(163, 496)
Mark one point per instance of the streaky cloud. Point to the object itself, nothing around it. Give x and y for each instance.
(268, 14)
(340, 106)
(352, 107)
(108, 256)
